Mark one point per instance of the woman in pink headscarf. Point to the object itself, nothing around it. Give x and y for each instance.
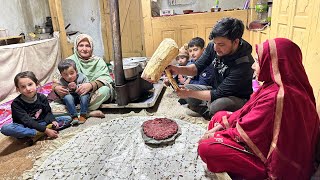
(275, 133)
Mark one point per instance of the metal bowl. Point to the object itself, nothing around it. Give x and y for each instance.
(142, 61)
(131, 70)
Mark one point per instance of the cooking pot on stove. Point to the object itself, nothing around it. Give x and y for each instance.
(142, 61)
(131, 70)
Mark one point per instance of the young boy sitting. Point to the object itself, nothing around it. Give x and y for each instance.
(196, 48)
(71, 80)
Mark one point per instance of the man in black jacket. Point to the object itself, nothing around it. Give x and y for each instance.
(231, 84)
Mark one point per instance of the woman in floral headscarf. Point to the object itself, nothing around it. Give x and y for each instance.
(95, 69)
(274, 135)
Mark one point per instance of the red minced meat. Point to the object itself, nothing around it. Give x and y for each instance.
(160, 128)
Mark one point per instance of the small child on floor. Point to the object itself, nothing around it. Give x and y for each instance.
(183, 60)
(31, 113)
(71, 79)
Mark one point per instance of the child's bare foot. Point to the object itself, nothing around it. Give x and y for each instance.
(96, 113)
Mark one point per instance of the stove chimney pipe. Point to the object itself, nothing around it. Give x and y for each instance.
(121, 88)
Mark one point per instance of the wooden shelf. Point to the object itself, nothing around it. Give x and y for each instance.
(11, 40)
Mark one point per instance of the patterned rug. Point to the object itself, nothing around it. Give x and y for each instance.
(116, 150)
(5, 108)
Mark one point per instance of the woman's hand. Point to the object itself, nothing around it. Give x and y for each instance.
(61, 90)
(207, 135)
(210, 133)
(84, 88)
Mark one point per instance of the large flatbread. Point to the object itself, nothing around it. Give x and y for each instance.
(161, 58)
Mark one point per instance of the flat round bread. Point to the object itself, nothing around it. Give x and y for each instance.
(160, 128)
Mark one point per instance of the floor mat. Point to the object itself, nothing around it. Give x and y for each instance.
(116, 150)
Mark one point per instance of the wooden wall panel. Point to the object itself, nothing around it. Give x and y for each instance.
(300, 37)
(58, 25)
(259, 37)
(312, 60)
(281, 11)
(187, 26)
(105, 31)
(282, 30)
(264, 35)
(168, 34)
(207, 34)
(131, 28)
(301, 23)
(187, 33)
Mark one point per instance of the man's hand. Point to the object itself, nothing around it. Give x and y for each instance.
(55, 124)
(173, 69)
(183, 93)
(51, 133)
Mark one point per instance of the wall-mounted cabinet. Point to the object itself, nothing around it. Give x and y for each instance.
(258, 37)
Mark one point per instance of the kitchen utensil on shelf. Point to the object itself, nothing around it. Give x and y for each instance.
(3, 32)
(187, 11)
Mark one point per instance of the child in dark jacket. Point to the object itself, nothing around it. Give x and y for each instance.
(196, 48)
(31, 113)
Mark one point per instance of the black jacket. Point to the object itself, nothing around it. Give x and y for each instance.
(25, 113)
(232, 74)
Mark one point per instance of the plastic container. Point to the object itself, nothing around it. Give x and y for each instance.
(3, 33)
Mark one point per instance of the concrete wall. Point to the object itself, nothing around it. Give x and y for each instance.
(84, 16)
(202, 5)
(20, 16)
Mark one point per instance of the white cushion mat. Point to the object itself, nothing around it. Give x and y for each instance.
(116, 150)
